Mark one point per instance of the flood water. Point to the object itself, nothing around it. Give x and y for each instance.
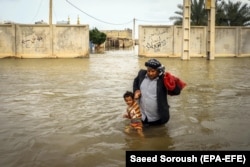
(68, 112)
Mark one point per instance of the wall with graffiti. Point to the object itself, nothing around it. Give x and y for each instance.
(156, 40)
(166, 41)
(71, 41)
(40, 41)
(32, 41)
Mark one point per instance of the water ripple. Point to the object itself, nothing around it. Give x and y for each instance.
(68, 112)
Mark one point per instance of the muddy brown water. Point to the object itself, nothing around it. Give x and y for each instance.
(68, 112)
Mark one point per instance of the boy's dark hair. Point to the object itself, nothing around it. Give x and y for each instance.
(128, 94)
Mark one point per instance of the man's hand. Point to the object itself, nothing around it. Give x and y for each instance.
(137, 94)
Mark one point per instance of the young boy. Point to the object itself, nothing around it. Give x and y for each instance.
(133, 113)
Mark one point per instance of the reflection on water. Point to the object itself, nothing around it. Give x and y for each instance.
(68, 112)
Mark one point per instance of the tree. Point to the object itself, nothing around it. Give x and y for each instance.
(198, 13)
(97, 37)
(178, 19)
(220, 14)
(227, 13)
(233, 14)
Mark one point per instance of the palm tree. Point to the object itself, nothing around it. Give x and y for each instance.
(198, 13)
(221, 19)
(227, 14)
(234, 14)
(178, 19)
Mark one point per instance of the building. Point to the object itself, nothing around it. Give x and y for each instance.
(118, 38)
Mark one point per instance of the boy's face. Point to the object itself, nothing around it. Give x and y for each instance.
(129, 101)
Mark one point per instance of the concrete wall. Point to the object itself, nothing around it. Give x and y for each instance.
(156, 41)
(197, 42)
(7, 40)
(232, 41)
(166, 41)
(244, 44)
(32, 41)
(35, 41)
(71, 41)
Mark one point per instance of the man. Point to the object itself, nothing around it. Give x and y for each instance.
(149, 88)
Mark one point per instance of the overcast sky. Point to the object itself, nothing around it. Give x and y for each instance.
(103, 14)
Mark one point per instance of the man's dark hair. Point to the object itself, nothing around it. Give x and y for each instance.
(128, 94)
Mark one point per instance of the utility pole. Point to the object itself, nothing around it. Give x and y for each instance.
(50, 12)
(185, 55)
(210, 6)
(51, 28)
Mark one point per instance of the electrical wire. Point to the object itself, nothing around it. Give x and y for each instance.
(97, 18)
(37, 10)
